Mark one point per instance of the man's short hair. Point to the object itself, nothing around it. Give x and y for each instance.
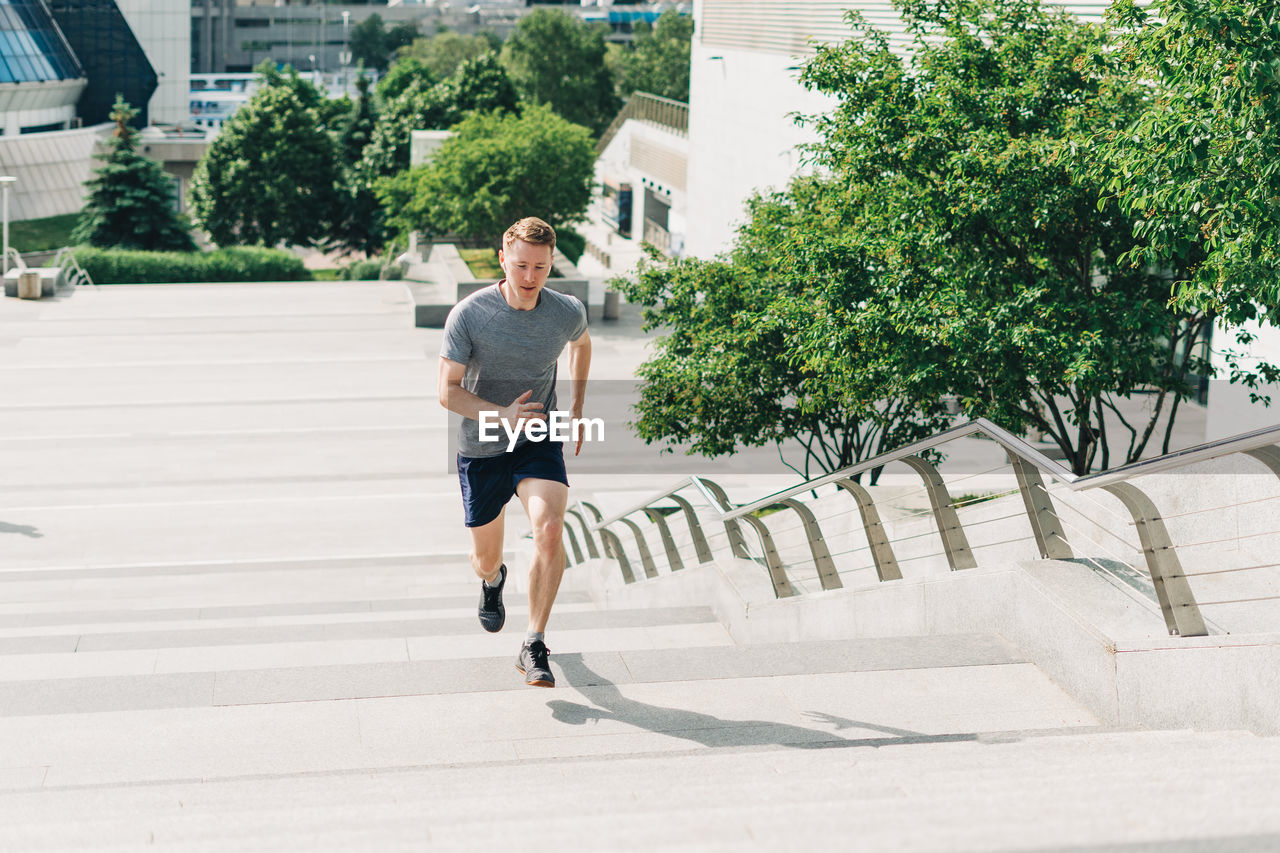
(531, 229)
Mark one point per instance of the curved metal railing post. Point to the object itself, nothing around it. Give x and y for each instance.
(720, 501)
(827, 575)
(1269, 456)
(877, 539)
(668, 542)
(954, 542)
(586, 533)
(777, 574)
(1051, 539)
(1181, 613)
(610, 539)
(646, 558)
(700, 546)
(595, 513)
(573, 544)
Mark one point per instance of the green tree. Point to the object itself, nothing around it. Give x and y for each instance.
(950, 243)
(658, 61)
(401, 36)
(405, 72)
(359, 127)
(495, 169)
(478, 84)
(358, 222)
(442, 53)
(556, 59)
(269, 176)
(369, 43)
(1199, 168)
(1000, 271)
(725, 376)
(130, 203)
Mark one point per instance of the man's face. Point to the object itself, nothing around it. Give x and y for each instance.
(527, 267)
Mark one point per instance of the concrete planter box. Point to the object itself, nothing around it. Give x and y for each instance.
(449, 280)
(51, 278)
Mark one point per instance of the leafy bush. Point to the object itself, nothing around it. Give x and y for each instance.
(571, 243)
(362, 270)
(372, 270)
(242, 263)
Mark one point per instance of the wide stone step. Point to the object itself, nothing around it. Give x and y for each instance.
(872, 797)
(415, 715)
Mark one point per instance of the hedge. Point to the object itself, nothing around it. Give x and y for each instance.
(245, 263)
(571, 243)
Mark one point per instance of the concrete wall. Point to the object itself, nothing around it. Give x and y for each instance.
(51, 169)
(163, 28)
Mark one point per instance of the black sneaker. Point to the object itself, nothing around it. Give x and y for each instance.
(492, 614)
(532, 661)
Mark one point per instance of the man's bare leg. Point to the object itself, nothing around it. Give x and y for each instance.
(486, 548)
(544, 502)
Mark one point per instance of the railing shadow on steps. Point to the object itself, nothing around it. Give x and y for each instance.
(1168, 577)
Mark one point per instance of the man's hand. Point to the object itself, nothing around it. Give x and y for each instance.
(521, 410)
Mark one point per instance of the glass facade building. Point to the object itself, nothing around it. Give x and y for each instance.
(113, 60)
(32, 50)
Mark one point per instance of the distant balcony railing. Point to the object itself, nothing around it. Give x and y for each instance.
(653, 109)
(657, 236)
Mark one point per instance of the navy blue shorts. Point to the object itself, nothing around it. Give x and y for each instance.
(488, 482)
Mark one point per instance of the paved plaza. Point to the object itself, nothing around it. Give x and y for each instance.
(236, 614)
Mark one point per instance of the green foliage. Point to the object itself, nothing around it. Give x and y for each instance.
(37, 235)
(554, 58)
(724, 376)
(130, 204)
(372, 44)
(442, 53)
(358, 130)
(269, 176)
(483, 263)
(407, 71)
(658, 61)
(357, 225)
(478, 84)
(992, 266)
(120, 266)
(495, 169)
(1199, 167)
(570, 243)
(950, 242)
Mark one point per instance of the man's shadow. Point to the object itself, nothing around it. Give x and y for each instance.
(712, 731)
(22, 529)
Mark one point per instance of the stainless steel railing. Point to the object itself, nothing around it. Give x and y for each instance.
(1052, 532)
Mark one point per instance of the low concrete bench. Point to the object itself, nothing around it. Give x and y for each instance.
(51, 278)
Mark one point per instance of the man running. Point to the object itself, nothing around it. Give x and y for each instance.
(498, 371)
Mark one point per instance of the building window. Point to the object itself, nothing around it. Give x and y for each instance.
(31, 46)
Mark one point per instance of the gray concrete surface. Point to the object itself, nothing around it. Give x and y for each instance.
(235, 615)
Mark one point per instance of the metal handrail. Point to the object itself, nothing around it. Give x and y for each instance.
(1177, 603)
(78, 274)
(1018, 446)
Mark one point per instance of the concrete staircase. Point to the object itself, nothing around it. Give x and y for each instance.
(235, 614)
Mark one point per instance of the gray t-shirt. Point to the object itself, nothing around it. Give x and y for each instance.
(508, 352)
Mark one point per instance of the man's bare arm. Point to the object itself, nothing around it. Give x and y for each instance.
(460, 401)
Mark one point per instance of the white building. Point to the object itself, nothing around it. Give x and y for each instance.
(60, 71)
(163, 28)
(744, 92)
